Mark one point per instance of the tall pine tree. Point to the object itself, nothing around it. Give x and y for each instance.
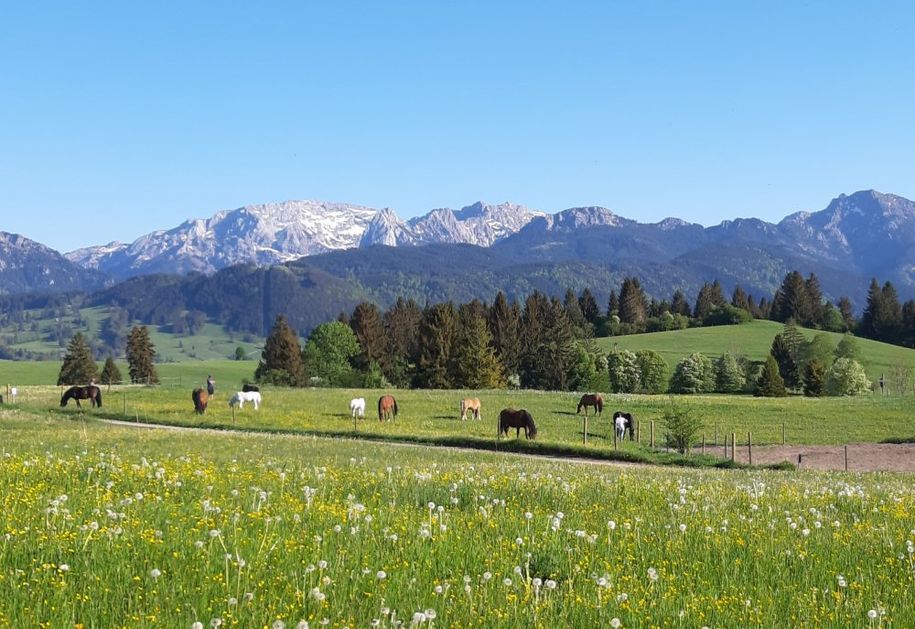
(110, 372)
(366, 323)
(476, 364)
(505, 328)
(633, 308)
(589, 308)
(141, 356)
(281, 359)
(78, 366)
(437, 332)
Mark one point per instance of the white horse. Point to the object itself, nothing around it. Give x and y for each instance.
(13, 393)
(357, 406)
(620, 423)
(241, 397)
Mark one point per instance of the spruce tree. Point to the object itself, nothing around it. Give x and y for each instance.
(679, 305)
(281, 359)
(141, 355)
(532, 366)
(78, 365)
(437, 331)
(709, 298)
(366, 323)
(873, 312)
(613, 304)
(575, 315)
(770, 383)
(632, 308)
(815, 301)
(401, 335)
(505, 326)
(739, 298)
(589, 308)
(815, 378)
(110, 372)
(847, 311)
(477, 365)
(792, 300)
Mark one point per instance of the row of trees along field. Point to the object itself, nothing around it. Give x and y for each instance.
(79, 367)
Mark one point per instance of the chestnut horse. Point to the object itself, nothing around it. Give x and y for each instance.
(591, 399)
(200, 397)
(510, 418)
(471, 404)
(387, 408)
(91, 393)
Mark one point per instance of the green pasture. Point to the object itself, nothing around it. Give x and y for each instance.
(753, 340)
(228, 373)
(103, 526)
(433, 415)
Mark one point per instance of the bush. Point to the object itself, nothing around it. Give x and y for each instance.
(729, 374)
(653, 371)
(727, 315)
(815, 378)
(682, 427)
(623, 368)
(693, 374)
(770, 383)
(847, 377)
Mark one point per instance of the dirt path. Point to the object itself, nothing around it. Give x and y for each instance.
(862, 457)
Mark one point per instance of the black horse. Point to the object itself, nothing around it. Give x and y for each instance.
(510, 418)
(630, 423)
(91, 393)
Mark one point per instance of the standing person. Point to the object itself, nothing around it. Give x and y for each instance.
(211, 386)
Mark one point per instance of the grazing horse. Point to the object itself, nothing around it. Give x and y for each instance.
(200, 397)
(241, 397)
(248, 388)
(471, 404)
(510, 418)
(591, 399)
(91, 393)
(357, 407)
(387, 408)
(623, 422)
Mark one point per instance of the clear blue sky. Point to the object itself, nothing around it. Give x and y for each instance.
(135, 116)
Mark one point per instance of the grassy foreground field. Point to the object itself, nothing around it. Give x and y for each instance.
(108, 527)
(753, 340)
(433, 415)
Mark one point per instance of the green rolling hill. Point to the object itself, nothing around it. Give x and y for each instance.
(752, 340)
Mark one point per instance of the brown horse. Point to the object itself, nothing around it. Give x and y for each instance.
(591, 399)
(91, 393)
(387, 408)
(471, 404)
(510, 418)
(200, 397)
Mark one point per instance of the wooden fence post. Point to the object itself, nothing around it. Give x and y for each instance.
(750, 447)
(783, 433)
(703, 443)
(125, 403)
(584, 433)
(614, 437)
(651, 443)
(638, 432)
(716, 441)
(733, 446)
(846, 457)
(233, 414)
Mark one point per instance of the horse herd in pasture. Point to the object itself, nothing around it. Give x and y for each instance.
(518, 419)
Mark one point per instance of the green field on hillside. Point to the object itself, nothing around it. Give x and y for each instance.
(228, 373)
(106, 526)
(752, 340)
(38, 335)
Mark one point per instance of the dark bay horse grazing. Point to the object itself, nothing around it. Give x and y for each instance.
(91, 393)
(591, 399)
(200, 397)
(510, 418)
(250, 388)
(627, 423)
(387, 408)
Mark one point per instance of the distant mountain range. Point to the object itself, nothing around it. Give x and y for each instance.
(356, 253)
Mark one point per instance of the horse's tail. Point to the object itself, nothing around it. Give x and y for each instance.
(380, 412)
(463, 407)
(600, 404)
(395, 406)
(98, 397)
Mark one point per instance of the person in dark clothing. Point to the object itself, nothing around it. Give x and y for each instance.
(211, 386)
